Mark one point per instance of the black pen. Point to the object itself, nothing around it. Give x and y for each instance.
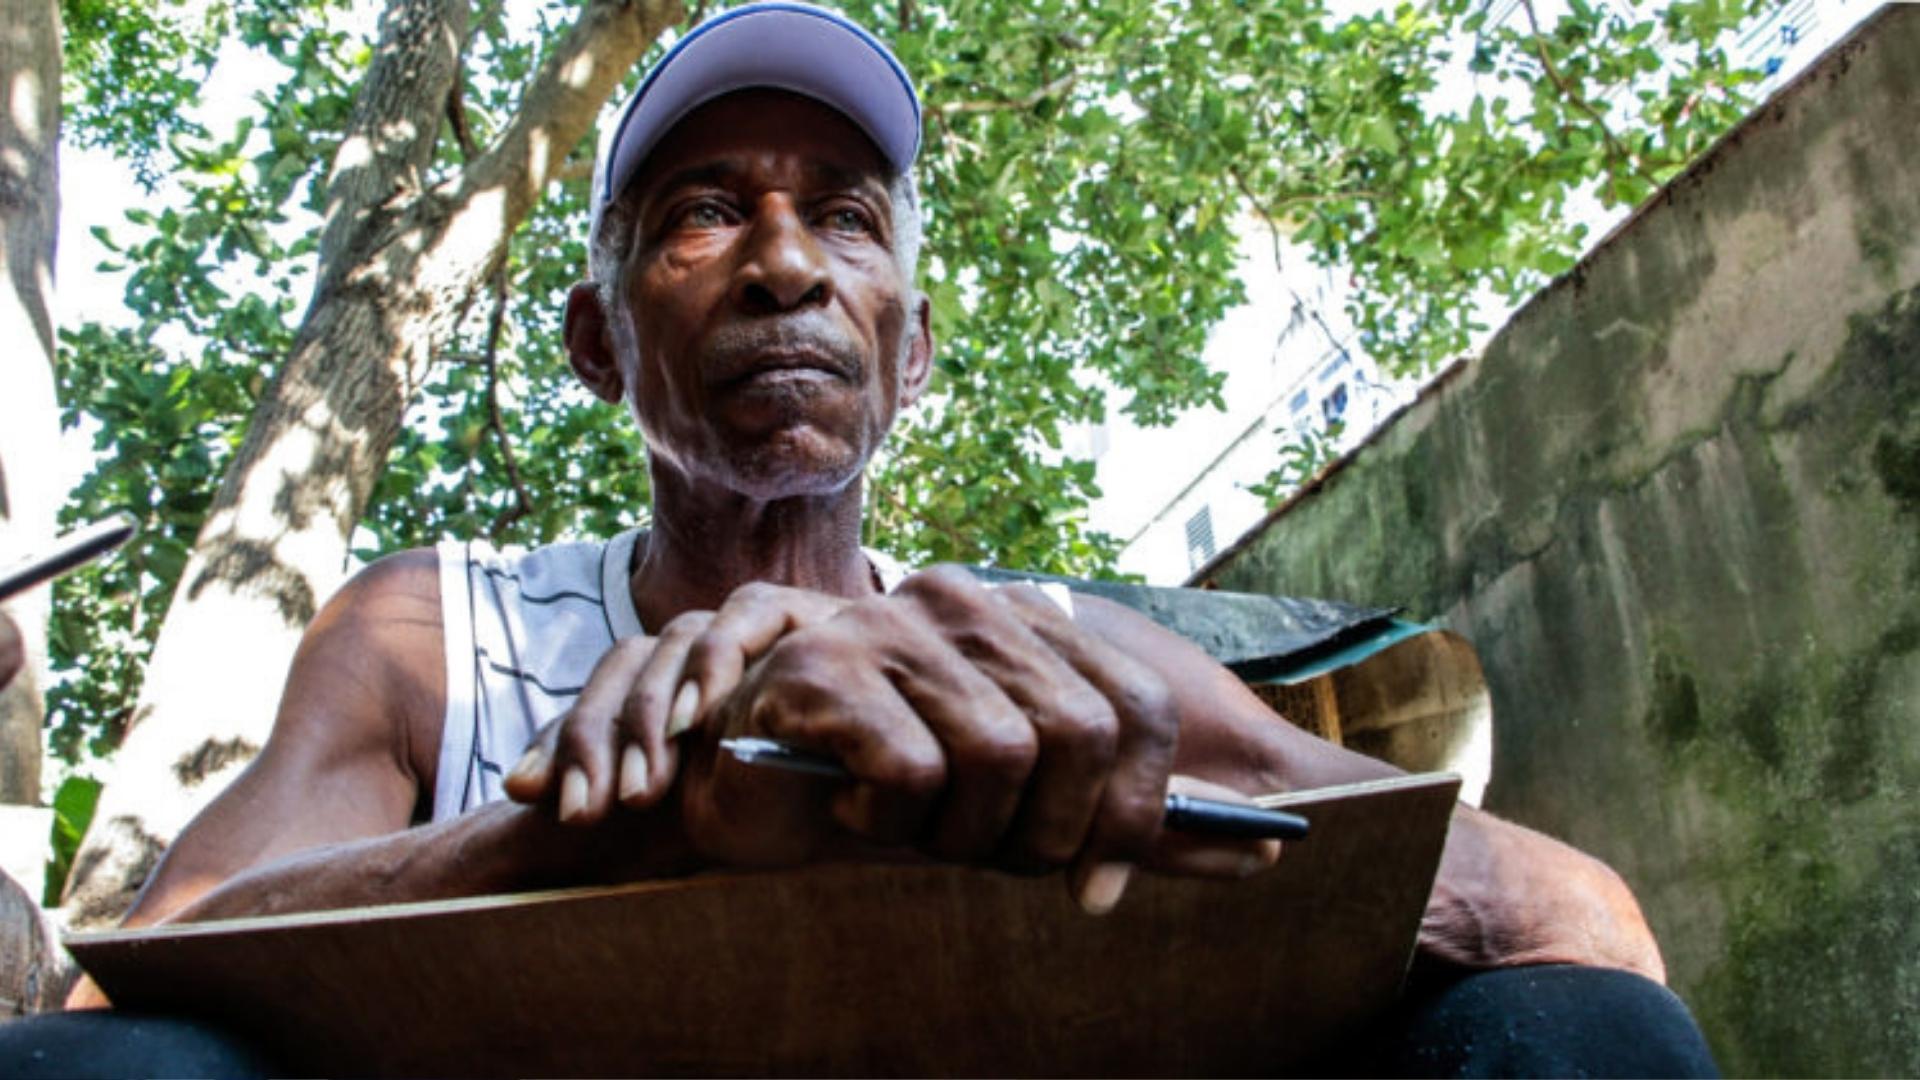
(1187, 813)
(81, 546)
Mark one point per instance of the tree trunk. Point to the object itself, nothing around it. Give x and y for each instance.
(35, 972)
(399, 263)
(29, 416)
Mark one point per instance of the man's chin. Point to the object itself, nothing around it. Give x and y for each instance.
(794, 464)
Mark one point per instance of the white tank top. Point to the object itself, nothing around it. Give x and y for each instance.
(523, 631)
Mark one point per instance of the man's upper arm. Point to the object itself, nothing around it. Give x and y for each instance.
(346, 759)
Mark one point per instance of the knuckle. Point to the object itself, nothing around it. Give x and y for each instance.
(876, 615)
(1147, 698)
(579, 734)
(1087, 725)
(943, 582)
(686, 624)
(646, 700)
(801, 665)
(920, 776)
(624, 650)
(754, 594)
(1027, 594)
(804, 648)
(703, 653)
(1008, 752)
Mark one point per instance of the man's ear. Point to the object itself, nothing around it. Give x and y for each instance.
(590, 343)
(918, 369)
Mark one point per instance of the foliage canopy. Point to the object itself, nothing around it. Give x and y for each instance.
(1087, 168)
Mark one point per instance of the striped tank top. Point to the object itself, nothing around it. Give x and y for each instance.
(524, 629)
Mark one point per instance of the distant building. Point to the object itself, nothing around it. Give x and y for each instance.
(1177, 495)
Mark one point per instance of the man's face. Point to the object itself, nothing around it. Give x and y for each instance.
(769, 337)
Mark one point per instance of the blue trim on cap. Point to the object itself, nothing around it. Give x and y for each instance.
(607, 193)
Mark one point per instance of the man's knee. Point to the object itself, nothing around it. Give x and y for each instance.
(1551, 1020)
(103, 1043)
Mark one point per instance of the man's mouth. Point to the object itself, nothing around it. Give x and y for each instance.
(783, 366)
(771, 353)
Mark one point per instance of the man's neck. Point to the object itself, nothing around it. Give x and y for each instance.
(703, 546)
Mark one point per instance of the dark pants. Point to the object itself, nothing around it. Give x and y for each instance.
(99, 1044)
(1551, 1020)
(1535, 1021)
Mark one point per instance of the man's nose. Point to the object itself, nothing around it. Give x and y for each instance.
(784, 267)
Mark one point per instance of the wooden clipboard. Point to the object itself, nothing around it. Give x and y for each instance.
(832, 970)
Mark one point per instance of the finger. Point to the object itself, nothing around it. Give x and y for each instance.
(821, 688)
(1127, 823)
(754, 617)
(1076, 730)
(532, 777)
(649, 708)
(1199, 855)
(990, 744)
(584, 747)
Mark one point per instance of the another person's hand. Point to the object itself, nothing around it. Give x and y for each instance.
(13, 654)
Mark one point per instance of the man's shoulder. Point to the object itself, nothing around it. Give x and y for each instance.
(403, 577)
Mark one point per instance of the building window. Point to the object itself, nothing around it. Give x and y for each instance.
(1334, 405)
(1099, 441)
(1200, 538)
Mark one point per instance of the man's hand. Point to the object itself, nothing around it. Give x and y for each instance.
(13, 654)
(981, 726)
(616, 740)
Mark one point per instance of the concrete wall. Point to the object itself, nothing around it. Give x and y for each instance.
(1676, 506)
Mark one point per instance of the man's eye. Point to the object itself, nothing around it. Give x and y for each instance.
(847, 219)
(703, 216)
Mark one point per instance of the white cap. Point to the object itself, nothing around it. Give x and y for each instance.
(784, 46)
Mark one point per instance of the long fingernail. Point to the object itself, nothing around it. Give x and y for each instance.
(1104, 884)
(529, 765)
(1253, 864)
(686, 704)
(633, 772)
(573, 794)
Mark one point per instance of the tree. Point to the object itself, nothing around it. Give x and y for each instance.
(1086, 168)
(29, 216)
(35, 972)
(400, 255)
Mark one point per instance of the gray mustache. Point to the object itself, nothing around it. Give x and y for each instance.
(740, 348)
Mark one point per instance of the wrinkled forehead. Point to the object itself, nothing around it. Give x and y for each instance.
(762, 128)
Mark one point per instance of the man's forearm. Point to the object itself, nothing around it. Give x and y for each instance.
(1507, 896)
(499, 848)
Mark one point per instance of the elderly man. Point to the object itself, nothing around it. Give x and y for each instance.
(462, 721)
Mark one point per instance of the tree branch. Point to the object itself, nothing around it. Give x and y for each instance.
(1053, 89)
(496, 325)
(1614, 145)
(574, 168)
(1279, 267)
(560, 104)
(385, 148)
(457, 115)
